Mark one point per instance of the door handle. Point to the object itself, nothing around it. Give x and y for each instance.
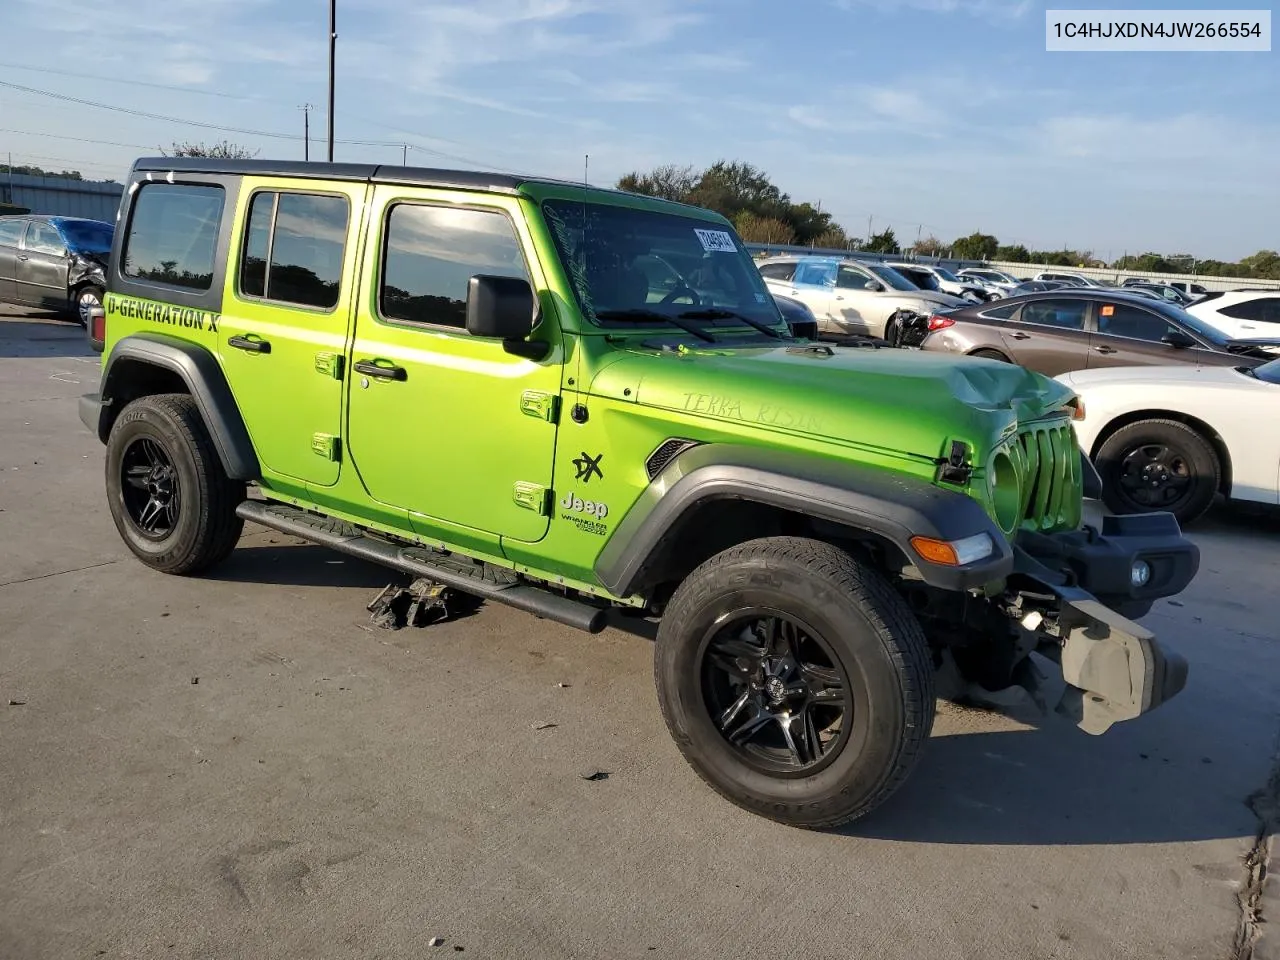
(839, 296)
(372, 368)
(1019, 335)
(23, 258)
(1105, 349)
(251, 344)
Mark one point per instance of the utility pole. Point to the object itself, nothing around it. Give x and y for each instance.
(586, 169)
(404, 155)
(869, 219)
(333, 45)
(306, 109)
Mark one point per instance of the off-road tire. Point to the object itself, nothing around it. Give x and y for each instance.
(881, 648)
(206, 529)
(1198, 453)
(991, 355)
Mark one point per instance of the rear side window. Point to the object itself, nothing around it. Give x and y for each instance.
(816, 274)
(1001, 313)
(431, 254)
(293, 248)
(1261, 310)
(1067, 314)
(1123, 320)
(173, 234)
(778, 271)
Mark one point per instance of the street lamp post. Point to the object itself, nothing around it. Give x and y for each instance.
(333, 43)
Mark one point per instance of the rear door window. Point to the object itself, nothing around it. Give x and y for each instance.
(816, 274)
(1261, 310)
(1061, 313)
(173, 234)
(294, 248)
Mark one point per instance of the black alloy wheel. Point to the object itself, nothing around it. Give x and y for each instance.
(775, 690)
(150, 488)
(1159, 466)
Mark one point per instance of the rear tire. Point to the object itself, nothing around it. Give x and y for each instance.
(860, 673)
(168, 494)
(991, 355)
(1159, 465)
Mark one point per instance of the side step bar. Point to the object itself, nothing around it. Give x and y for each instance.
(482, 580)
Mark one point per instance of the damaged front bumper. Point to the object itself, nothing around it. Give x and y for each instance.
(1076, 593)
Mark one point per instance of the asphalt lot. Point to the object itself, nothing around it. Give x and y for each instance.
(328, 790)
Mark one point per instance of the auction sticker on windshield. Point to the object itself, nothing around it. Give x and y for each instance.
(716, 241)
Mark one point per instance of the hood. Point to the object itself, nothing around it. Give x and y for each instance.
(1173, 374)
(937, 297)
(891, 402)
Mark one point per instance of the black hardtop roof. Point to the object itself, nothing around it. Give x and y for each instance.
(364, 172)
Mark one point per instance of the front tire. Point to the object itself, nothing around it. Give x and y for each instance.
(168, 494)
(87, 298)
(795, 681)
(1159, 465)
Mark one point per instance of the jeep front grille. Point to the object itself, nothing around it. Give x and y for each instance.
(1048, 462)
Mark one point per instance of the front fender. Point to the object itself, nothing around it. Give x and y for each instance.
(869, 499)
(125, 375)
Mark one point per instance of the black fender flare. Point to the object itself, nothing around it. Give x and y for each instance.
(205, 381)
(880, 502)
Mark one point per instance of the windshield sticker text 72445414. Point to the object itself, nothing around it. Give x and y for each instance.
(716, 241)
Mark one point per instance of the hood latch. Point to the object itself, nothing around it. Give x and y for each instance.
(955, 467)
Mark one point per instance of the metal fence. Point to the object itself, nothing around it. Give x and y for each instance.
(61, 196)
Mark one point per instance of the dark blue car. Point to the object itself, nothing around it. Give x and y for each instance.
(58, 263)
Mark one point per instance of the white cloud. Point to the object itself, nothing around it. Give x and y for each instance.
(998, 10)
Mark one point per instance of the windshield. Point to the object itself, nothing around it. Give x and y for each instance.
(87, 236)
(891, 277)
(620, 259)
(946, 275)
(1270, 372)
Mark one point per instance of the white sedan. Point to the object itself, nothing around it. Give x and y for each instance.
(1173, 438)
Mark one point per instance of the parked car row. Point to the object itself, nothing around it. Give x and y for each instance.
(56, 263)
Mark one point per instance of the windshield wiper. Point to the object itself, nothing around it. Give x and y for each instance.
(639, 313)
(719, 314)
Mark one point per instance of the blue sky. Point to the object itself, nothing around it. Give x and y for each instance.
(942, 113)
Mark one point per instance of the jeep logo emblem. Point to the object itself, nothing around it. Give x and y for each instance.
(591, 508)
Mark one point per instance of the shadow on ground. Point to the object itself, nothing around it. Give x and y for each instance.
(52, 338)
(302, 565)
(1055, 785)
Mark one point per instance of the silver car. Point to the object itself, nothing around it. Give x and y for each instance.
(850, 297)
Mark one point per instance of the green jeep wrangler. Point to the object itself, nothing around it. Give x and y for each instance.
(584, 403)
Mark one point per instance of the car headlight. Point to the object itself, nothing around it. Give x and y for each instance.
(1004, 491)
(1140, 573)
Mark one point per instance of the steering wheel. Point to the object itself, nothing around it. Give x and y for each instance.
(683, 290)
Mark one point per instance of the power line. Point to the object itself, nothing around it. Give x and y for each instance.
(132, 83)
(60, 136)
(193, 123)
(241, 130)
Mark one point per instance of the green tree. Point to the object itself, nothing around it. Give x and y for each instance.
(224, 150)
(930, 246)
(756, 229)
(833, 238)
(669, 182)
(23, 170)
(884, 242)
(1013, 254)
(976, 246)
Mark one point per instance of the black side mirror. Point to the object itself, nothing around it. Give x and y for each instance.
(1178, 340)
(873, 285)
(502, 308)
